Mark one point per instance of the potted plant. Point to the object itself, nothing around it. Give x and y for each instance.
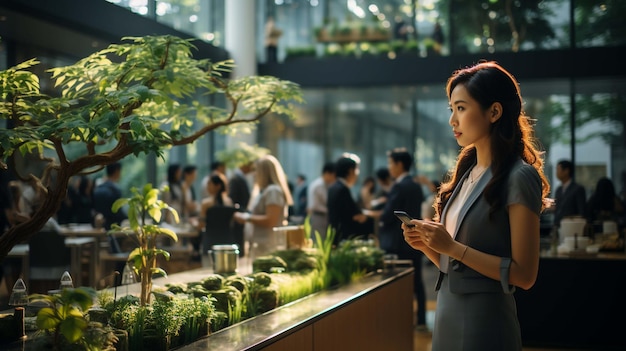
(65, 322)
(144, 214)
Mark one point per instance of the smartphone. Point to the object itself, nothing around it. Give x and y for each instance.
(404, 217)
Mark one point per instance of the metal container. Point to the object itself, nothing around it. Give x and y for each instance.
(224, 258)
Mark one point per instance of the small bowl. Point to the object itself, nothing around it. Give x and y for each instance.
(593, 249)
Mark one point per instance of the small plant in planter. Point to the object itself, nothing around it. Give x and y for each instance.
(66, 323)
(144, 213)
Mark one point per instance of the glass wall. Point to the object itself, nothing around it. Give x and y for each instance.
(424, 28)
(389, 28)
(370, 121)
(203, 19)
(600, 145)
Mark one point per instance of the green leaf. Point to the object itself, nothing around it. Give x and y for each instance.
(136, 253)
(158, 271)
(155, 213)
(47, 319)
(82, 296)
(169, 233)
(72, 328)
(164, 253)
(119, 203)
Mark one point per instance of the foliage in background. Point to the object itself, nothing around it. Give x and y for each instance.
(241, 155)
(608, 110)
(144, 95)
(503, 25)
(600, 23)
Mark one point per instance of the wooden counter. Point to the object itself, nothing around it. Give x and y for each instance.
(578, 301)
(375, 313)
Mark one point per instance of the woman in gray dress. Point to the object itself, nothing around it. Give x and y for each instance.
(270, 200)
(485, 235)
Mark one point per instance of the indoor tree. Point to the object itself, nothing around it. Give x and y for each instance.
(143, 95)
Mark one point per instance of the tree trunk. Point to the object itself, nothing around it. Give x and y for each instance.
(56, 193)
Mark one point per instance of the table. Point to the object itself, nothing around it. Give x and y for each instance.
(80, 236)
(576, 302)
(182, 231)
(76, 246)
(79, 229)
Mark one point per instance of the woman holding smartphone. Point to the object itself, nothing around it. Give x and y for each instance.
(485, 235)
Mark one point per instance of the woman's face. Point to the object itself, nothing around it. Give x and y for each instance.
(212, 188)
(470, 123)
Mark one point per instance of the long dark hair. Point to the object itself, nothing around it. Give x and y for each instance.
(603, 198)
(219, 180)
(511, 135)
(172, 179)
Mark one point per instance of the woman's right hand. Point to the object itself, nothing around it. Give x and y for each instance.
(240, 217)
(414, 236)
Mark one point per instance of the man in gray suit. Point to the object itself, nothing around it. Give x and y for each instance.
(570, 196)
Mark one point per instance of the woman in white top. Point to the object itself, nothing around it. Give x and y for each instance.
(270, 200)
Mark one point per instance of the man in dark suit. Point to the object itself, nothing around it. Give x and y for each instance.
(570, 196)
(344, 214)
(405, 195)
(104, 195)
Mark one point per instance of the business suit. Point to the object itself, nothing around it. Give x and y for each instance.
(405, 195)
(341, 209)
(569, 203)
(475, 312)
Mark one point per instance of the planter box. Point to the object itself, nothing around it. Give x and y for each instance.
(379, 306)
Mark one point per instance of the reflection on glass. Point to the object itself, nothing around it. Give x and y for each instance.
(508, 26)
(599, 23)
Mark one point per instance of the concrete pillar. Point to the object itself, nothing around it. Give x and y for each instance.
(240, 35)
(240, 41)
